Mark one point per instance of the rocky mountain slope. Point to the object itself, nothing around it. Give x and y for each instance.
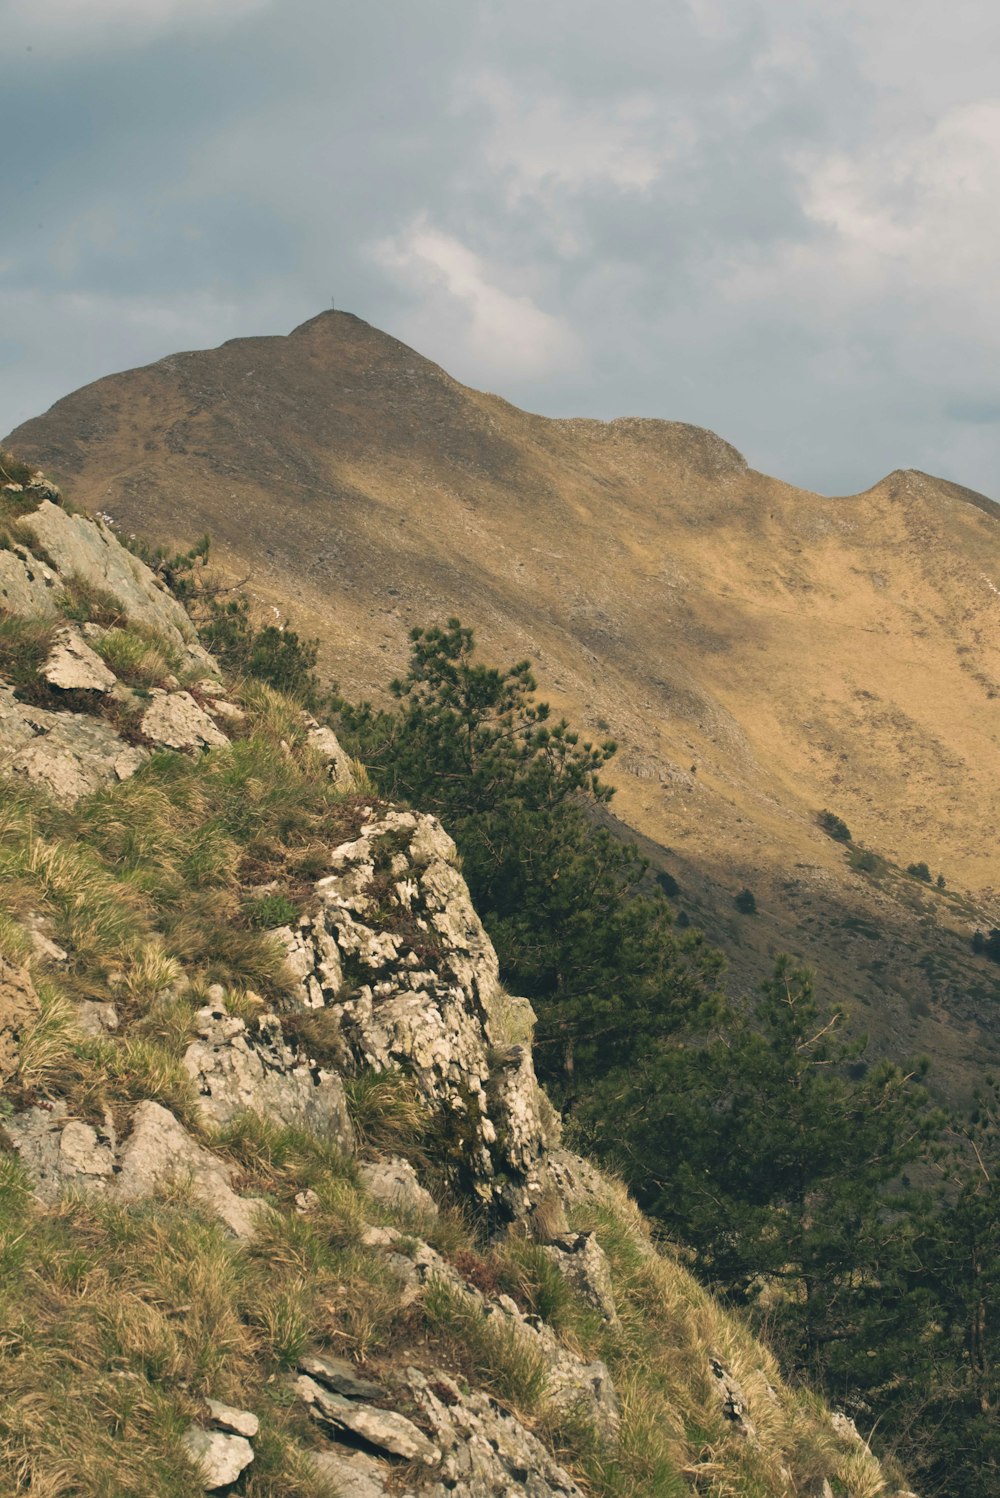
(283, 1210)
(759, 652)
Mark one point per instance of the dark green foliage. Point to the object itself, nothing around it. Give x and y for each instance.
(270, 911)
(277, 656)
(562, 899)
(746, 902)
(919, 871)
(834, 826)
(779, 1162)
(864, 861)
(987, 944)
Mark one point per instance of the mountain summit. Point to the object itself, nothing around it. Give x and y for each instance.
(761, 653)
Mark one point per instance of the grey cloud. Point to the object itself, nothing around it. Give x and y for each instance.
(693, 212)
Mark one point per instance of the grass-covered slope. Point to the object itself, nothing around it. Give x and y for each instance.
(141, 905)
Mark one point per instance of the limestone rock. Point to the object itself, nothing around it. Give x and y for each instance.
(27, 586)
(236, 1422)
(95, 1018)
(220, 1458)
(60, 1153)
(240, 1067)
(347, 1474)
(84, 548)
(393, 1182)
(19, 1008)
(485, 1451)
(731, 1398)
(160, 1153)
(425, 994)
(582, 1260)
(67, 754)
(325, 743)
(384, 1429)
(174, 720)
(339, 1375)
(72, 665)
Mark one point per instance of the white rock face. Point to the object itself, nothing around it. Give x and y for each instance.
(393, 1182)
(343, 1474)
(251, 1068)
(583, 1262)
(174, 720)
(73, 666)
(325, 743)
(236, 1422)
(62, 1154)
(67, 754)
(28, 587)
(84, 548)
(384, 1429)
(160, 1152)
(398, 954)
(486, 1451)
(219, 1458)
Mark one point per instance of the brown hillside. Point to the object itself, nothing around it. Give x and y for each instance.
(759, 651)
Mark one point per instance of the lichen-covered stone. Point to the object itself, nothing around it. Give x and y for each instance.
(393, 1182)
(384, 1429)
(583, 1262)
(485, 1450)
(61, 1154)
(69, 755)
(239, 1067)
(175, 721)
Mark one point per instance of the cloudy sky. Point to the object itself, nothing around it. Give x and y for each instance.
(776, 218)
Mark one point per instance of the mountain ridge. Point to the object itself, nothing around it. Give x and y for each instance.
(759, 652)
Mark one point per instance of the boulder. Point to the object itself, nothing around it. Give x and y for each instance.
(219, 1458)
(583, 1262)
(393, 1182)
(324, 742)
(62, 1154)
(731, 1398)
(240, 1067)
(79, 546)
(28, 587)
(338, 1375)
(72, 665)
(175, 721)
(66, 754)
(346, 1474)
(384, 1429)
(160, 1153)
(485, 1450)
(236, 1422)
(19, 1008)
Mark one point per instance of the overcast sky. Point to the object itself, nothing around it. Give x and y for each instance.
(775, 218)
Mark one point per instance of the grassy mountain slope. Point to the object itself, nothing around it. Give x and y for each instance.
(759, 652)
(151, 899)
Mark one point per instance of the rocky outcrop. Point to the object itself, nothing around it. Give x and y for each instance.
(485, 1450)
(393, 1182)
(399, 957)
(582, 1261)
(80, 547)
(174, 720)
(239, 1067)
(66, 754)
(62, 1154)
(19, 1008)
(74, 667)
